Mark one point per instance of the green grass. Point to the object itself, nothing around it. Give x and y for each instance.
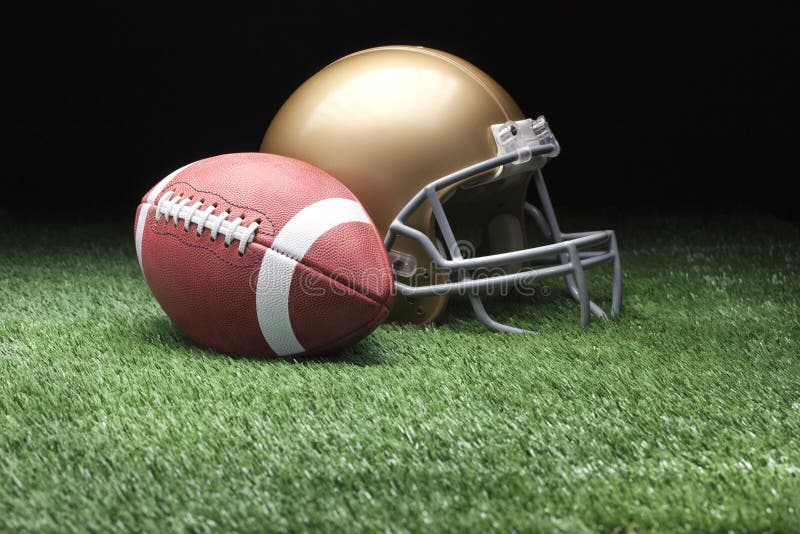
(683, 415)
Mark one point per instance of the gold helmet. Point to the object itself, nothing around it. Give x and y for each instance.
(441, 157)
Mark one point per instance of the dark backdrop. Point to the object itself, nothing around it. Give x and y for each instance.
(655, 106)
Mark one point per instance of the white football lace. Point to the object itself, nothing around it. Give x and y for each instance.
(173, 206)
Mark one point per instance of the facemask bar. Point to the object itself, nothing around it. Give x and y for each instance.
(565, 247)
(548, 225)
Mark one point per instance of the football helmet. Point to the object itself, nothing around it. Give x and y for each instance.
(441, 157)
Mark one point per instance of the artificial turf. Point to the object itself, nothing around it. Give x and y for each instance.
(682, 415)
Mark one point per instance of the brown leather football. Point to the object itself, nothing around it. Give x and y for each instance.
(260, 254)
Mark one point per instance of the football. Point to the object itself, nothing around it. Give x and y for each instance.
(264, 255)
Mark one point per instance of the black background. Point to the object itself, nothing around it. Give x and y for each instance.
(656, 106)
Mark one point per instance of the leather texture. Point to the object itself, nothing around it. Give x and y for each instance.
(267, 301)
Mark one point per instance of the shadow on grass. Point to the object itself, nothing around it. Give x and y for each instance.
(158, 330)
(552, 309)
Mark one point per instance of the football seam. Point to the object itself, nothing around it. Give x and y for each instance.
(313, 267)
(329, 276)
(381, 307)
(255, 263)
(354, 331)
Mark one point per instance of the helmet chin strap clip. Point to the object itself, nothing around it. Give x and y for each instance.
(522, 136)
(403, 264)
